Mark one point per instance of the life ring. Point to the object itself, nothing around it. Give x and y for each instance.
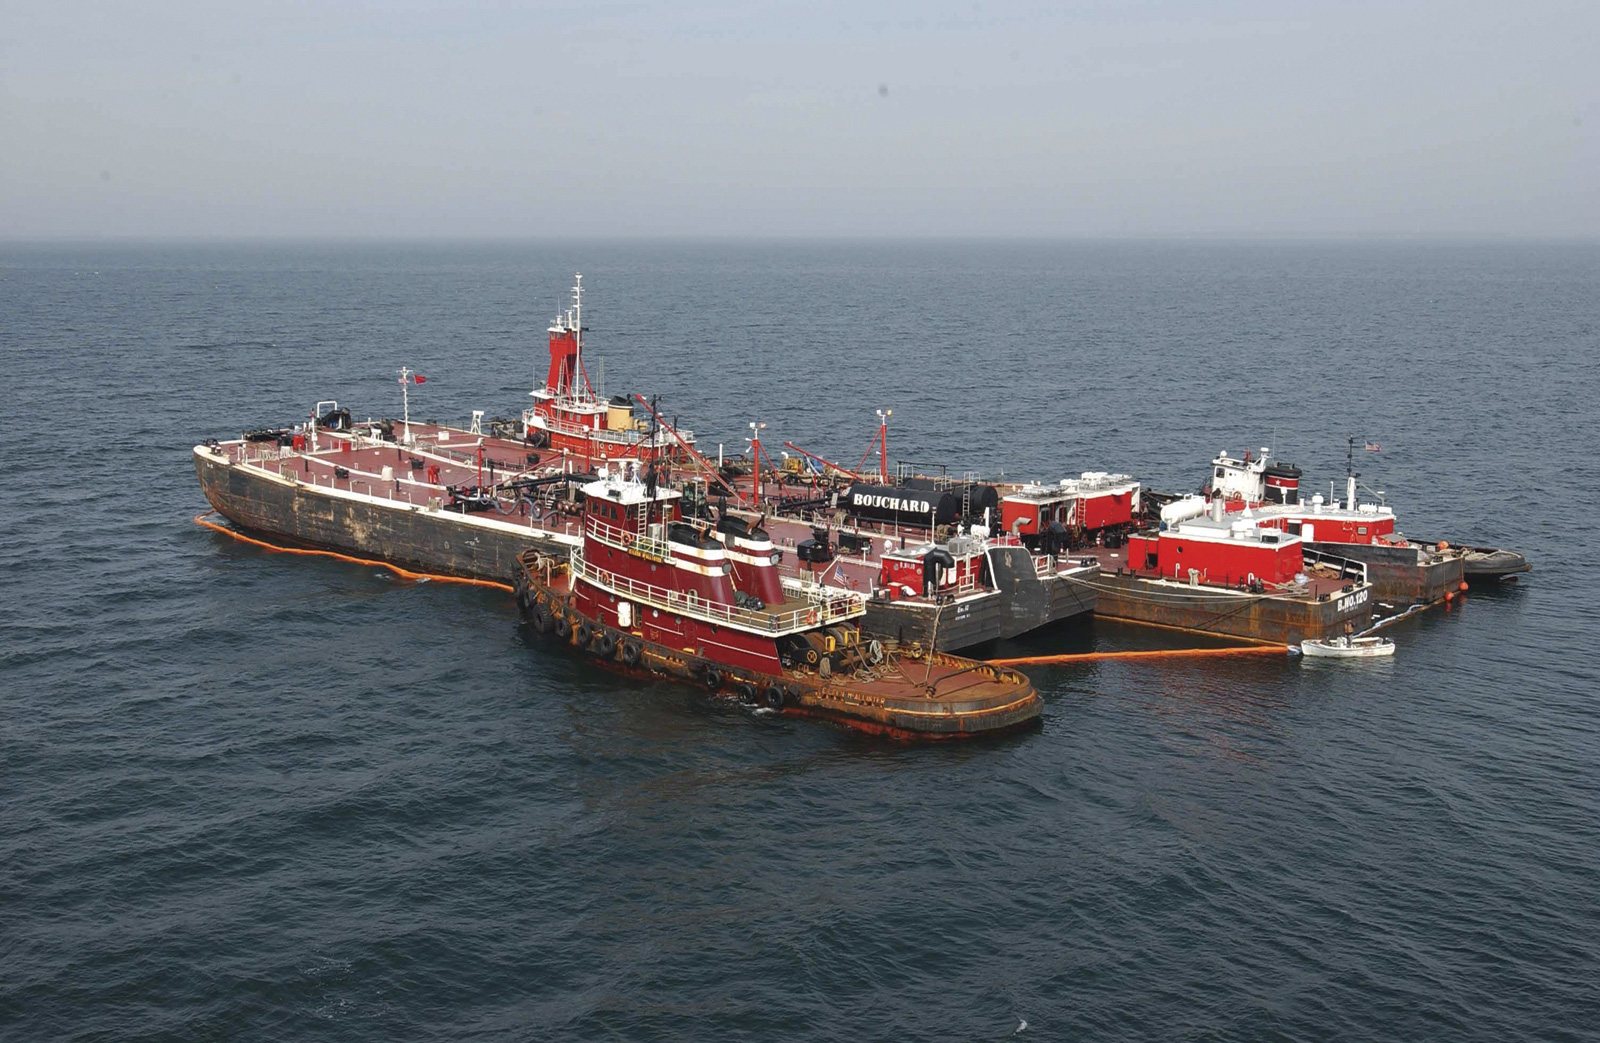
(605, 645)
(776, 696)
(631, 653)
(713, 678)
(1235, 497)
(563, 627)
(812, 617)
(583, 632)
(541, 617)
(746, 692)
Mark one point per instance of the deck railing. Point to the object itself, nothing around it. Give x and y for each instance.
(963, 586)
(632, 542)
(822, 610)
(628, 438)
(431, 447)
(1349, 568)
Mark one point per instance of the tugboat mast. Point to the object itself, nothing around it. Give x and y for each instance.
(577, 315)
(651, 477)
(883, 444)
(1350, 474)
(405, 401)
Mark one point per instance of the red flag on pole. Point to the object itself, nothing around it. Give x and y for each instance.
(419, 378)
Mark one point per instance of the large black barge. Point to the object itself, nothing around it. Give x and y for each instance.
(413, 505)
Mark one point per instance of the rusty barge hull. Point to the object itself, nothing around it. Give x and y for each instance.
(394, 531)
(960, 623)
(1258, 617)
(1403, 575)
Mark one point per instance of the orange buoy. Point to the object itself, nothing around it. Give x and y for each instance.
(1463, 585)
(1443, 546)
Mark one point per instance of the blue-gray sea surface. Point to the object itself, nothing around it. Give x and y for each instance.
(249, 796)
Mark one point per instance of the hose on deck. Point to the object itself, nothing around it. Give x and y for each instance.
(200, 519)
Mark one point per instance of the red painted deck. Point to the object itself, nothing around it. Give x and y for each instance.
(448, 457)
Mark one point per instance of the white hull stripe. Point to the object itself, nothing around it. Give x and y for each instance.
(719, 569)
(683, 550)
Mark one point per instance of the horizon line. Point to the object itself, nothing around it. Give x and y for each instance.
(799, 238)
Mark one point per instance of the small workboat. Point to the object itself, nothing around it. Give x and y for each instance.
(1494, 564)
(1348, 648)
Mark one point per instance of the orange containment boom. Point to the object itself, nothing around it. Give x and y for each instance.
(1159, 653)
(200, 519)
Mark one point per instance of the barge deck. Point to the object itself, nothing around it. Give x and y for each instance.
(377, 499)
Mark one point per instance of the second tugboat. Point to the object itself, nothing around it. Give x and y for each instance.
(653, 591)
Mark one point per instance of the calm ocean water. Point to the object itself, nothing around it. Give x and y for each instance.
(251, 796)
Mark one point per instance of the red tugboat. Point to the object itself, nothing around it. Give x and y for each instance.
(568, 416)
(1398, 568)
(653, 591)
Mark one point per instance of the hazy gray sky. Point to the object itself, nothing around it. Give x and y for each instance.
(1474, 117)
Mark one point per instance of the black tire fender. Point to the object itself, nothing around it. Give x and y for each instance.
(631, 653)
(605, 645)
(583, 632)
(713, 678)
(541, 617)
(776, 696)
(746, 692)
(563, 627)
